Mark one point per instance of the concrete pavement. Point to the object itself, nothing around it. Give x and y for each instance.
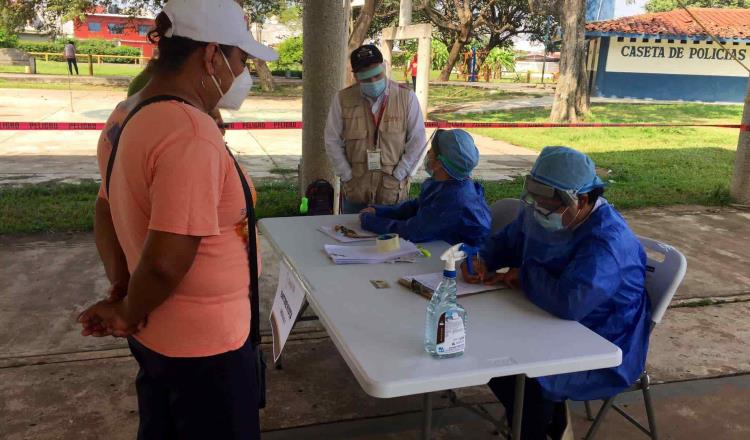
(70, 156)
(55, 384)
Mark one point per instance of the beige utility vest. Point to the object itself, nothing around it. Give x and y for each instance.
(379, 186)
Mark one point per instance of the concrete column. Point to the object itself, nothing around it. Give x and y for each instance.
(404, 13)
(324, 25)
(423, 73)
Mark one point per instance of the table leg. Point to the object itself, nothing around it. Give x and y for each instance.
(518, 406)
(426, 416)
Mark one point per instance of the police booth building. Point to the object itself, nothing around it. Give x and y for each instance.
(668, 56)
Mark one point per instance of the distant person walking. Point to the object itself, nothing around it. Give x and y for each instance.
(70, 55)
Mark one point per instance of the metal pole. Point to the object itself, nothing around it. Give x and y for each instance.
(518, 406)
(426, 416)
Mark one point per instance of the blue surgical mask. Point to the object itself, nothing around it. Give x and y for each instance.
(373, 89)
(552, 222)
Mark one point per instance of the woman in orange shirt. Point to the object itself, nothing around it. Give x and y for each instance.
(167, 222)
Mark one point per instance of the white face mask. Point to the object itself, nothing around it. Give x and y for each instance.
(241, 85)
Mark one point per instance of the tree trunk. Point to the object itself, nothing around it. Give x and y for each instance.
(571, 93)
(583, 95)
(364, 19)
(455, 52)
(359, 31)
(325, 33)
(740, 190)
(264, 75)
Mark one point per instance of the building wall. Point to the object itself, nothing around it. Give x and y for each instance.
(670, 70)
(537, 66)
(128, 31)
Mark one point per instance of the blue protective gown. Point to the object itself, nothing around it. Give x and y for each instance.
(596, 277)
(450, 210)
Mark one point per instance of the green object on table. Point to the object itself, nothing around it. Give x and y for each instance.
(303, 206)
(424, 251)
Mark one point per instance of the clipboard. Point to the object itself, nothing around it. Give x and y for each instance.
(426, 291)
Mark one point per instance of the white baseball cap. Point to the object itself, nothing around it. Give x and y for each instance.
(214, 21)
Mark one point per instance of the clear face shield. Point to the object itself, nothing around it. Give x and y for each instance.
(546, 205)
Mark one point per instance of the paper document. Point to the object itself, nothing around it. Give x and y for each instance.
(368, 254)
(348, 233)
(431, 281)
(290, 295)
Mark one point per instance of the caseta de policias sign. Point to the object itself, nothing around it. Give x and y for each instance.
(676, 58)
(703, 53)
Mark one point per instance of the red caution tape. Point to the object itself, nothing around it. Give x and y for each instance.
(295, 125)
(563, 125)
(262, 125)
(51, 125)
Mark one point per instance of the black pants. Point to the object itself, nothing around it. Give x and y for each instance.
(197, 398)
(414, 82)
(71, 64)
(540, 416)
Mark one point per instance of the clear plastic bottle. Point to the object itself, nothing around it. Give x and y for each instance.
(445, 324)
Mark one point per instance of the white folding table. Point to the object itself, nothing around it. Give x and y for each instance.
(380, 332)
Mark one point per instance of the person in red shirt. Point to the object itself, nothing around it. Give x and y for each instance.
(413, 68)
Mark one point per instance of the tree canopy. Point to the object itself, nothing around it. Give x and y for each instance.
(669, 5)
(14, 14)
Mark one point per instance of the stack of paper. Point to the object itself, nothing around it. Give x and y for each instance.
(353, 233)
(368, 254)
(431, 280)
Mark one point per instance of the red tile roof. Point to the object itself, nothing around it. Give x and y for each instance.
(723, 23)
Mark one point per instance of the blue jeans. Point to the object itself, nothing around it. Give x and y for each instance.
(348, 207)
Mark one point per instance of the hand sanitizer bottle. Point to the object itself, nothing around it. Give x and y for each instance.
(445, 325)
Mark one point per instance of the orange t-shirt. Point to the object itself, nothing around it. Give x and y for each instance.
(173, 174)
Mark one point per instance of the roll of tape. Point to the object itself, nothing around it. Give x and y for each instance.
(388, 243)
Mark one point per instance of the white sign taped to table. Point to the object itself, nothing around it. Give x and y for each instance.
(286, 306)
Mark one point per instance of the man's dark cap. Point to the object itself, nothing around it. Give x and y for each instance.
(365, 55)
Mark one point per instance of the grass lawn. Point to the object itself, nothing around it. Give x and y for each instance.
(451, 95)
(65, 207)
(439, 95)
(644, 166)
(61, 68)
(647, 166)
(5, 84)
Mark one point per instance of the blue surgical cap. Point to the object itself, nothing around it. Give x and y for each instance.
(457, 153)
(566, 169)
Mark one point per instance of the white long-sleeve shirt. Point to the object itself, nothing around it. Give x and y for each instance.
(415, 138)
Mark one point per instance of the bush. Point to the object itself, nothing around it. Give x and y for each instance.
(7, 39)
(94, 47)
(503, 58)
(439, 54)
(290, 54)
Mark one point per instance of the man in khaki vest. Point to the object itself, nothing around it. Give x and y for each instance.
(374, 135)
